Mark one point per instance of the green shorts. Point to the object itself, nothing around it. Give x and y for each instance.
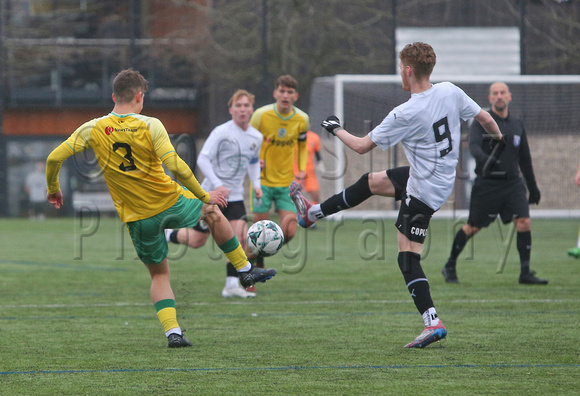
(148, 235)
(280, 196)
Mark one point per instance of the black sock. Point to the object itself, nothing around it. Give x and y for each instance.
(459, 243)
(231, 270)
(348, 198)
(259, 262)
(410, 265)
(524, 244)
(173, 236)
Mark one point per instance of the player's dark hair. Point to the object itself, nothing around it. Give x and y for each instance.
(421, 58)
(238, 94)
(127, 84)
(287, 81)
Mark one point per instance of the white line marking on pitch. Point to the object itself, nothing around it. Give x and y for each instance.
(320, 302)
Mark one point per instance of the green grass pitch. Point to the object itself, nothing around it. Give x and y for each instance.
(76, 316)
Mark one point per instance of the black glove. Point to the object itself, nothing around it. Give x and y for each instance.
(331, 124)
(535, 195)
(501, 143)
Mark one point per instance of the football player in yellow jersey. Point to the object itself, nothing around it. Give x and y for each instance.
(130, 149)
(284, 127)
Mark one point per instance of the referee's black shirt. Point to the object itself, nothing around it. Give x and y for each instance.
(514, 157)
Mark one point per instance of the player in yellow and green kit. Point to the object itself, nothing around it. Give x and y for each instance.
(131, 149)
(284, 127)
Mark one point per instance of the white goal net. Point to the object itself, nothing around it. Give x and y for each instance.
(548, 105)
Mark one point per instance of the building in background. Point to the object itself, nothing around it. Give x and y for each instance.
(57, 58)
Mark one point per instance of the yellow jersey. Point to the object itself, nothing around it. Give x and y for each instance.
(283, 134)
(130, 149)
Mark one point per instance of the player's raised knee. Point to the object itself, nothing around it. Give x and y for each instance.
(211, 213)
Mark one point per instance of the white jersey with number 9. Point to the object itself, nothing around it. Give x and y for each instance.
(429, 127)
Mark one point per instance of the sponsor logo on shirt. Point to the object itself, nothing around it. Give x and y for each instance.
(280, 143)
(110, 129)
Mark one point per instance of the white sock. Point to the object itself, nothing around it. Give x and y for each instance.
(231, 282)
(246, 268)
(430, 317)
(168, 232)
(314, 213)
(176, 330)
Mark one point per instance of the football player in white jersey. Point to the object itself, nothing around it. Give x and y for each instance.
(428, 126)
(231, 151)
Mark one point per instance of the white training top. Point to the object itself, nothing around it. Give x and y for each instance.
(227, 154)
(429, 127)
(36, 183)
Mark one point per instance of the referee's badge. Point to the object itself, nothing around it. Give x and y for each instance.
(517, 140)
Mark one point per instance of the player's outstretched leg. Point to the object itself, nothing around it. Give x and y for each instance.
(302, 205)
(255, 275)
(350, 197)
(232, 288)
(223, 234)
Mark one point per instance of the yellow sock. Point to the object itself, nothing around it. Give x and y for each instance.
(167, 314)
(234, 252)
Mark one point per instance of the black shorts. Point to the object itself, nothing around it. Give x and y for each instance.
(414, 218)
(234, 211)
(399, 178)
(414, 215)
(490, 198)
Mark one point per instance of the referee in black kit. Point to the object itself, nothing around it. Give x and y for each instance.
(498, 188)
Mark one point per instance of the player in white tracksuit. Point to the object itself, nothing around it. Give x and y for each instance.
(428, 127)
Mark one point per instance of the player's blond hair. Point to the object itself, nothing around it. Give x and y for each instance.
(238, 94)
(421, 58)
(126, 85)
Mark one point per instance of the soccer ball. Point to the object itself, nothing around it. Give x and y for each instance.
(265, 238)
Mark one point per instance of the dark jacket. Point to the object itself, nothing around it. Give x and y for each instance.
(514, 157)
